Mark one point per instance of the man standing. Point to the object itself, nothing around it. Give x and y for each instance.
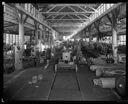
(48, 57)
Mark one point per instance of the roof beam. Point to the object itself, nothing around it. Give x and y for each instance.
(77, 16)
(31, 16)
(66, 19)
(50, 9)
(72, 9)
(93, 9)
(58, 11)
(10, 20)
(61, 9)
(65, 30)
(57, 19)
(82, 8)
(84, 16)
(100, 16)
(9, 25)
(68, 25)
(72, 5)
(49, 15)
(67, 12)
(55, 16)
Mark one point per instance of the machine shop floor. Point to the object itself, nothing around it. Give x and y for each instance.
(89, 90)
(65, 85)
(20, 89)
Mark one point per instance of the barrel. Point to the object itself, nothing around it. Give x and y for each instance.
(108, 82)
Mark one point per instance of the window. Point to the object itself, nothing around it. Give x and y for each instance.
(29, 7)
(32, 9)
(4, 38)
(26, 6)
(7, 39)
(107, 6)
(17, 39)
(122, 40)
(101, 9)
(104, 7)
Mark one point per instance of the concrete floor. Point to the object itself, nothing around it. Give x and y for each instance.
(63, 87)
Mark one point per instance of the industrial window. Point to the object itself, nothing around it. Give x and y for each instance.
(13, 38)
(32, 9)
(122, 40)
(29, 7)
(7, 38)
(10, 41)
(17, 39)
(26, 6)
(4, 38)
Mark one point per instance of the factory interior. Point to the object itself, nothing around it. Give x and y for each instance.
(64, 52)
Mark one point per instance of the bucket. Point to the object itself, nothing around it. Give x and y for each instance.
(108, 82)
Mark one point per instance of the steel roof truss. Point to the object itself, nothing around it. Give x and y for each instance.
(50, 9)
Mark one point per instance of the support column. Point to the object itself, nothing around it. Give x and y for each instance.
(20, 48)
(114, 44)
(21, 34)
(89, 30)
(83, 34)
(114, 14)
(49, 38)
(36, 31)
(44, 31)
(96, 24)
(43, 35)
(40, 34)
(53, 37)
(41, 40)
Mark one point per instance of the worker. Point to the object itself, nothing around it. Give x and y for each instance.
(48, 57)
